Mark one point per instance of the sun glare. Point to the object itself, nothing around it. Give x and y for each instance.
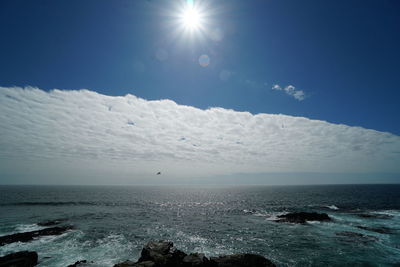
(190, 21)
(191, 18)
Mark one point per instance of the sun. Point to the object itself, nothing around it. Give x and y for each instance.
(190, 21)
(191, 18)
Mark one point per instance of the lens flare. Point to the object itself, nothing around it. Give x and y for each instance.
(204, 60)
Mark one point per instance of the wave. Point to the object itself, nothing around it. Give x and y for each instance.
(332, 207)
(394, 213)
(21, 228)
(252, 211)
(268, 215)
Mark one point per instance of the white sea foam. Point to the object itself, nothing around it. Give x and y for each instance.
(262, 214)
(192, 242)
(394, 213)
(37, 244)
(192, 238)
(103, 252)
(332, 207)
(248, 211)
(267, 214)
(313, 222)
(20, 228)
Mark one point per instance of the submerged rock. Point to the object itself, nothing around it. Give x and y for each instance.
(163, 254)
(302, 217)
(19, 259)
(380, 230)
(51, 222)
(29, 236)
(374, 216)
(349, 234)
(357, 237)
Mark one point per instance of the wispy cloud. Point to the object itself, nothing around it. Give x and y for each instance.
(84, 130)
(254, 84)
(225, 75)
(290, 90)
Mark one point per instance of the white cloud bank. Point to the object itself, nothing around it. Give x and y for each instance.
(291, 90)
(68, 134)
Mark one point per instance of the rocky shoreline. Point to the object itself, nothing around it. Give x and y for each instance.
(29, 236)
(154, 254)
(164, 254)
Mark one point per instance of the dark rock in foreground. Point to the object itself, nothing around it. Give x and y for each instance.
(164, 254)
(19, 259)
(302, 217)
(125, 264)
(29, 236)
(79, 264)
(136, 264)
(196, 259)
(241, 260)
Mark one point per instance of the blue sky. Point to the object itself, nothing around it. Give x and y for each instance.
(342, 54)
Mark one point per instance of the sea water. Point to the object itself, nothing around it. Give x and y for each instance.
(112, 223)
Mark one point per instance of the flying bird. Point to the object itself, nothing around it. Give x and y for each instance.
(158, 173)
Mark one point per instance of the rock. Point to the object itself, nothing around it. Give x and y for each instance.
(78, 264)
(51, 222)
(380, 230)
(19, 259)
(162, 253)
(302, 217)
(29, 236)
(196, 259)
(145, 264)
(241, 260)
(127, 263)
(154, 247)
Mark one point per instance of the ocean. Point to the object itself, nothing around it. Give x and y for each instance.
(112, 223)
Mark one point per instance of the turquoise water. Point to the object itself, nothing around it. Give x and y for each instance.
(113, 223)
